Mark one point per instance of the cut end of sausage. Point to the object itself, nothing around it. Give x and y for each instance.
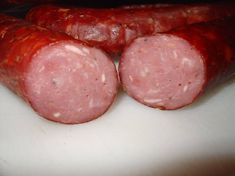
(162, 71)
(68, 82)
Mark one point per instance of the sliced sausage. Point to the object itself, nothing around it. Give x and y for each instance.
(63, 79)
(170, 70)
(113, 29)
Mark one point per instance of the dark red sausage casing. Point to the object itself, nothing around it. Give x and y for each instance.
(170, 70)
(113, 29)
(63, 79)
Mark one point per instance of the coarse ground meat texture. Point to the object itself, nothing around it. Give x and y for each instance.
(113, 29)
(63, 79)
(170, 70)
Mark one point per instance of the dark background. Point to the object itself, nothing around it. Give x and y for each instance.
(19, 8)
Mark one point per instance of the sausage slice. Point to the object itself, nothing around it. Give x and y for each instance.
(63, 79)
(170, 70)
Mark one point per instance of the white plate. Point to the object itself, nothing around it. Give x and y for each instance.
(129, 140)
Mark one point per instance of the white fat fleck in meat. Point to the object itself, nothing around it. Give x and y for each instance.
(103, 77)
(150, 20)
(153, 91)
(109, 92)
(85, 50)
(146, 69)
(79, 109)
(162, 58)
(77, 66)
(132, 54)
(27, 37)
(75, 50)
(91, 103)
(130, 78)
(92, 65)
(68, 17)
(57, 114)
(165, 38)
(152, 100)
(38, 92)
(175, 54)
(160, 104)
(184, 14)
(68, 29)
(189, 10)
(157, 84)
(76, 36)
(63, 10)
(41, 69)
(195, 11)
(186, 61)
(3, 33)
(185, 88)
(144, 72)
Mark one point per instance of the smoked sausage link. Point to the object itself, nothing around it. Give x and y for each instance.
(63, 79)
(170, 70)
(113, 29)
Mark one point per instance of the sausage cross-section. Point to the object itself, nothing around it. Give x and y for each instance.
(170, 70)
(63, 79)
(113, 29)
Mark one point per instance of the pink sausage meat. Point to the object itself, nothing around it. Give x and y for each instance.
(63, 79)
(71, 83)
(170, 70)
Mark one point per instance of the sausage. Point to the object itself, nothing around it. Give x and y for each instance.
(63, 79)
(113, 29)
(171, 70)
(139, 6)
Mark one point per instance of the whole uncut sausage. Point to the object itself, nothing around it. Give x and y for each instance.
(170, 70)
(139, 6)
(113, 29)
(63, 79)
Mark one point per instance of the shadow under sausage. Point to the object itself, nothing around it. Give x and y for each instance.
(118, 100)
(209, 93)
(210, 166)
